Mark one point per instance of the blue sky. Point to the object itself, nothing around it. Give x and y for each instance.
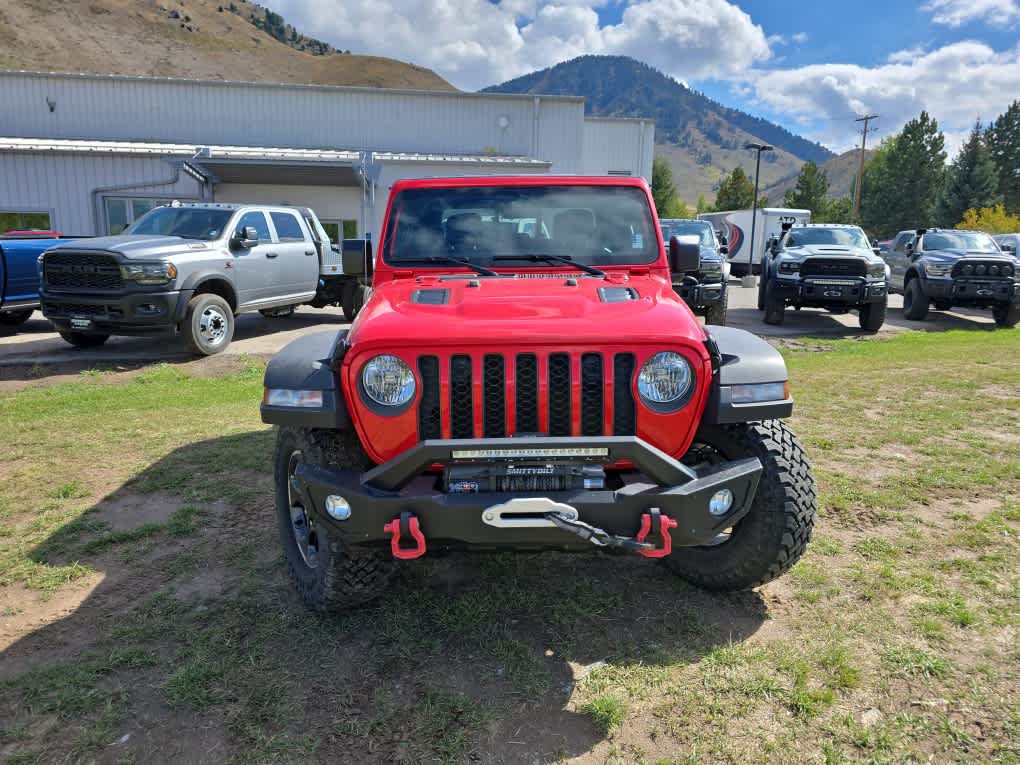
(810, 66)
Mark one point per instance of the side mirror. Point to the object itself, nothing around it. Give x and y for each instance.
(722, 238)
(1008, 248)
(683, 258)
(246, 237)
(877, 250)
(356, 257)
(724, 249)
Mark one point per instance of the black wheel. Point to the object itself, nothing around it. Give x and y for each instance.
(208, 325)
(761, 290)
(766, 542)
(278, 313)
(84, 339)
(1006, 314)
(943, 305)
(915, 302)
(873, 315)
(326, 575)
(716, 313)
(347, 300)
(775, 306)
(361, 295)
(15, 318)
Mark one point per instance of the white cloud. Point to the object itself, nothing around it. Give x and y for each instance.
(954, 13)
(956, 84)
(800, 37)
(474, 43)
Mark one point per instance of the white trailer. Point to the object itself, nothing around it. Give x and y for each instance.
(745, 256)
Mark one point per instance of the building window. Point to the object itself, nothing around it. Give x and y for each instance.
(21, 221)
(334, 229)
(122, 212)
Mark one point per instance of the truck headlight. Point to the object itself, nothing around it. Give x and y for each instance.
(149, 274)
(789, 267)
(878, 270)
(937, 270)
(665, 380)
(388, 381)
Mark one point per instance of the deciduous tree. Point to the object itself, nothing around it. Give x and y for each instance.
(994, 220)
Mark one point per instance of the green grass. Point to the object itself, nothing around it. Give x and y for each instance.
(902, 613)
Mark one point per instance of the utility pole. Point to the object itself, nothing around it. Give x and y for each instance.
(860, 168)
(758, 147)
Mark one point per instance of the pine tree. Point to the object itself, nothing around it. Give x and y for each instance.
(736, 192)
(903, 179)
(971, 183)
(811, 190)
(1003, 139)
(663, 188)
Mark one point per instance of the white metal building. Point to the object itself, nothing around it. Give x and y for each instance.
(87, 154)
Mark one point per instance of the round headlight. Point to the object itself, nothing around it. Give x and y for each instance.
(993, 270)
(665, 380)
(1007, 270)
(968, 269)
(980, 269)
(388, 381)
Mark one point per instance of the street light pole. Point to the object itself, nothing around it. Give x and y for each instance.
(759, 148)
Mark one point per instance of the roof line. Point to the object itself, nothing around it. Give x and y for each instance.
(27, 73)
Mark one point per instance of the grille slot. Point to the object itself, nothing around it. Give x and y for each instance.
(833, 267)
(81, 269)
(526, 414)
(429, 420)
(494, 392)
(559, 394)
(623, 397)
(462, 420)
(591, 394)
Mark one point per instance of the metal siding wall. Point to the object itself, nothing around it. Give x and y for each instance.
(618, 145)
(264, 115)
(62, 184)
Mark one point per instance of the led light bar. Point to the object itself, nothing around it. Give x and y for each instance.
(526, 454)
(824, 282)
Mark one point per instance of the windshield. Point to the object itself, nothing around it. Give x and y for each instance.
(593, 225)
(839, 237)
(971, 241)
(187, 222)
(703, 231)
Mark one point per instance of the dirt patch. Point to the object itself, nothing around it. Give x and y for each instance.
(23, 610)
(124, 512)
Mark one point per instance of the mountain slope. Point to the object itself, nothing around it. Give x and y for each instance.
(201, 39)
(701, 138)
(841, 172)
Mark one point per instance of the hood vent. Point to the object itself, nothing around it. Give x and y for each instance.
(431, 296)
(617, 294)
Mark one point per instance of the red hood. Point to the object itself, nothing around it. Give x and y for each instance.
(544, 311)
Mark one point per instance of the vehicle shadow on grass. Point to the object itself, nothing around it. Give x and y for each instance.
(192, 644)
(817, 323)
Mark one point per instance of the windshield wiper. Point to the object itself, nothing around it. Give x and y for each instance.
(553, 259)
(449, 259)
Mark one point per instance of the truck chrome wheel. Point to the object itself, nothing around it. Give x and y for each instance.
(212, 326)
(301, 524)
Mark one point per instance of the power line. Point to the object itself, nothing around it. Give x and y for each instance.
(860, 169)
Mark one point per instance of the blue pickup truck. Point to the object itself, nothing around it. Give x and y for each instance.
(19, 275)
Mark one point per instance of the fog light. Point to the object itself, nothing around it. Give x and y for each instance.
(338, 508)
(721, 502)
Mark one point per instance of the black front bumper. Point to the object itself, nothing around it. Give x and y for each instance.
(122, 313)
(972, 291)
(702, 295)
(819, 291)
(477, 521)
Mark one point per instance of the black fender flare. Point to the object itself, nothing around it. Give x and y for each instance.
(197, 279)
(739, 359)
(309, 363)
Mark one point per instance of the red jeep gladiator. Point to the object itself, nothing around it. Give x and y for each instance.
(524, 377)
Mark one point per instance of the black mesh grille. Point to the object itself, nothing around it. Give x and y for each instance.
(526, 418)
(462, 424)
(591, 394)
(623, 398)
(429, 425)
(836, 267)
(81, 269)
(559, 394)
(494, 391)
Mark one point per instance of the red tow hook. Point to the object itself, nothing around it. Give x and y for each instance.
(656, 523)
(397, 528)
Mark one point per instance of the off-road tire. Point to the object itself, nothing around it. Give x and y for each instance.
(195, 338)
(761, 291)
(872, 315)
(915, 302)
(716, 313)
(1006, 314)
(775, 306)
(278, 313)
(84, 339)
(347, 301)
(766, 542)
(15, 318)
(341, 579)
